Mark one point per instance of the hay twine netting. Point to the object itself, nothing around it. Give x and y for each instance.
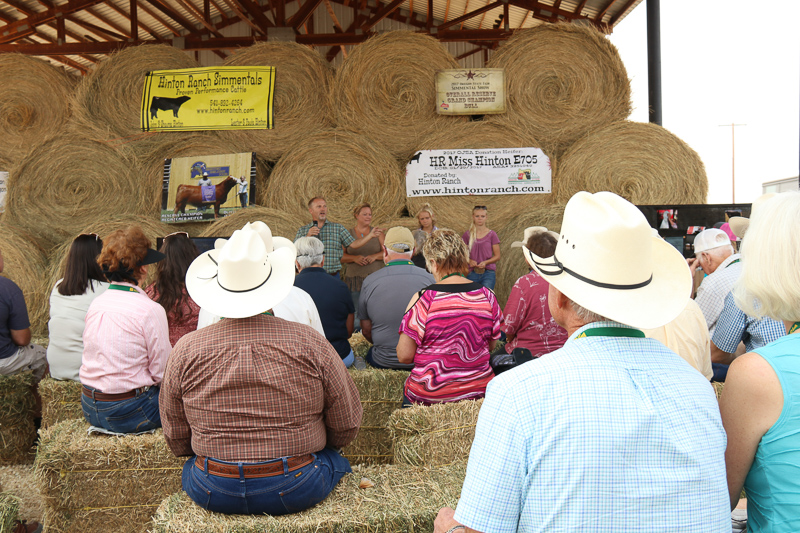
(25, 263)
(562, 82)
(386, 90)
(34, 104)
(512, 264)
(345, 168)
(68, 182)
(644, 163)
(281, 224)
(61, 400)
(302, 83)
(456, 211)
(108, 101)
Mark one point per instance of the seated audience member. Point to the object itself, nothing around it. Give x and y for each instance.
(714, 254)
(17, 354)
(449, 328)
(126, 340)
(613, 431)
(427, 225)
(384, 296)
(169, 289)
(527, 322)
(330, 295)
(70, 299)
(760, 404)
(260, 404)
(688, 337)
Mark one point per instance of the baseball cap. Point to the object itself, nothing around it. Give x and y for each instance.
(399, 239)
(709, 239)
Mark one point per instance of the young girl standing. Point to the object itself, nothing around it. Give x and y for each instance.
(484, 249)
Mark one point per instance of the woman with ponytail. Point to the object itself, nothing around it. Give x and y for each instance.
(484, 249)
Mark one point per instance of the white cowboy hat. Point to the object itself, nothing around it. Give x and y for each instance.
(530, 232)
(608, 261)
(246, 275)
(739, 225)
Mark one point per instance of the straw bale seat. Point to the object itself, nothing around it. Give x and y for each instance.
(61, 400)
(9, 512)
(17, 429)
(404, 498)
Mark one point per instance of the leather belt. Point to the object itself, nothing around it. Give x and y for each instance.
(105, 397)
(274, 468)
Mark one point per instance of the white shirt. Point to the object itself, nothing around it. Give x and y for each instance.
(715, 287)
(297, 307)
(242, 186)
(205, 182)
(688, 337)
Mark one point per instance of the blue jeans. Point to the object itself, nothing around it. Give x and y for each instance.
(355, 295)
(486, 279)
(349, 360)
(126, 416)
(286, 493)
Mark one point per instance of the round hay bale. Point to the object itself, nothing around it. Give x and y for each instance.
(562, 82)
(302, 83)
(405, 222)
(342, 166)
(25, 263)
(34, 103)
(68, 182)
(108, 101)
(456, 211)
(644, 163)
(280, 223)
(386, 90)
(512, 264)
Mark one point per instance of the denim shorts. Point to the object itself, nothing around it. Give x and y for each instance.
(290, 492)
(487, 279)
(126, 416)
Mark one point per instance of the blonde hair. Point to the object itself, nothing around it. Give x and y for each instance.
(426, 208)
(446, 249)
(358, 208)
(472, 229)
(770, 281)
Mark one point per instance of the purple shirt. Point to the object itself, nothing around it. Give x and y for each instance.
(482, 248)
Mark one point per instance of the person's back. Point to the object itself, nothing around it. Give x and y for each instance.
(384, 296)
(334, 304)
(13, 315)
(688, 337)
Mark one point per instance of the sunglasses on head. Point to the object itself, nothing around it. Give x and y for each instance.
(95, 235)
(177, 233)
(480, 207)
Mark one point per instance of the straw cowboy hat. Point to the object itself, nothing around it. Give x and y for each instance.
(246, 275)
(608, 261)
(739, 225)
(530, 232)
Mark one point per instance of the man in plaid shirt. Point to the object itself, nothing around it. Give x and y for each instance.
(261, 405)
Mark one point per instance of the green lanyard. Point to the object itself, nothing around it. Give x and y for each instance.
(124, 288)
(611, 331)
(733, 263)
(399, 262)
(795, 327)
(454, 274)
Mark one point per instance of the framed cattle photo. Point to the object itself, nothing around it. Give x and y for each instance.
(207, 187)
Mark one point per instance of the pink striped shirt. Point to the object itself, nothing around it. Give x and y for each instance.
(125, 342)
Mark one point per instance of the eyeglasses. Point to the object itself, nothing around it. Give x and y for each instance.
(95, 235)
(177, 233)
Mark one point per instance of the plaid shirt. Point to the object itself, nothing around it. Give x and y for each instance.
(734, 327)
(711, 293)
(335, 238)
(255, 389)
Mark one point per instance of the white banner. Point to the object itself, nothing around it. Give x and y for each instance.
(475, 172)
(3, 190)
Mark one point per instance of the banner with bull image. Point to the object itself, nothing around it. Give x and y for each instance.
(207, 187)
(209, 98)
(477, 172)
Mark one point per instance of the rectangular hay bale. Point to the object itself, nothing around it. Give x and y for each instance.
(102, 482)
(434, 435)
(381, 394)
(9, 512)
(61, 400)
(17, 408)
(404, 498)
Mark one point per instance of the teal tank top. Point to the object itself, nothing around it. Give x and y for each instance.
(773, 483)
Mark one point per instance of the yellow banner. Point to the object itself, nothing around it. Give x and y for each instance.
(210, 98)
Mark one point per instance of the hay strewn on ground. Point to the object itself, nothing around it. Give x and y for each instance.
(386, 90)
(68, 182)
(17, 431)
(280, 223)
(9, 512)
(34, 103)
(61, 400)
(25, 264)
(644, 163)
(108, 101)
(302, 81)
(434, 435)
(403, 499)
(456, 211)
(381, 393)
(99, 482)
(344, 167)
(512, 264)
(18, 481)
(562, 82)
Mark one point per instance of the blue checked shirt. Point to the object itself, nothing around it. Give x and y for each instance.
(711, 293)
(734, 327)
(335, 237)
(605, 434)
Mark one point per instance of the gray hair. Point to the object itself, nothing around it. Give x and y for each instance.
(420, 236)
(587, 316)
(309, 251)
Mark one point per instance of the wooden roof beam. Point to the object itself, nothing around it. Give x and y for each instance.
(467, 54)
(126, 34)
(158, 19)
(233, 7)
(24, 27)
(257, 13)
(49, 39)
(302, 15)
(134, 23)
(602, 13)
(621, 13)
(172, 14)
(381, 14)
(471, 14)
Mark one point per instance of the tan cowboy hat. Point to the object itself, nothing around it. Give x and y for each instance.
(530, 232)
(739, 225)
(608, 261)
(246, 275)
